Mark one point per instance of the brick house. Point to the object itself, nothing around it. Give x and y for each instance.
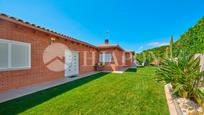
(22, 47)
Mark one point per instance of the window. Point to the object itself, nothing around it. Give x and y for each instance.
(3, 55)
(14, 55)
(105, 57)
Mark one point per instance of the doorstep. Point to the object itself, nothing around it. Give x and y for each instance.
(19, 92)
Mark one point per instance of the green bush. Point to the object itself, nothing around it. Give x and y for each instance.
(184, 75)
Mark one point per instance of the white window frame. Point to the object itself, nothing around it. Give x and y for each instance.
(10, 43)
(123, 59)
(103, 57)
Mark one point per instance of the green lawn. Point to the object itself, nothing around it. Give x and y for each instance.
(128, 93)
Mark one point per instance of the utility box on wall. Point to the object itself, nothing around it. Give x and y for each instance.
(201, 61)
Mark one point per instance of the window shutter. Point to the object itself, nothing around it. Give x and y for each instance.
(14, 55)
(4, 55)
(20, 55)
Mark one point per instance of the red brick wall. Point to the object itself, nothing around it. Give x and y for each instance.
(39, 41)
(112, 66)
(128, 59)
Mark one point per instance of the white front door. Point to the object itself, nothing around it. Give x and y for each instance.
(71, 63)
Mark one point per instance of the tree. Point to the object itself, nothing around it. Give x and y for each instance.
(171, 47)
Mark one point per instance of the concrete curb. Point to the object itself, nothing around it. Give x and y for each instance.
(174, 108)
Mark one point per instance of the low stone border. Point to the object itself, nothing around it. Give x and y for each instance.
(174, 108)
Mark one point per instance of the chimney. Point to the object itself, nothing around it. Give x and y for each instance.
(106, 42)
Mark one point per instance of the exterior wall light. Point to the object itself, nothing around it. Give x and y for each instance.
(52, 39)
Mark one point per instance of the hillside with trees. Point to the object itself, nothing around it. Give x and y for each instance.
(191, 42)
(193, 39)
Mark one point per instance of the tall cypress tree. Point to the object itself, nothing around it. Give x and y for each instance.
(171, 47)
(167, 52)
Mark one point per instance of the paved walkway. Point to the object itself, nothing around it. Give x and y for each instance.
(19, 92)
(122, 70)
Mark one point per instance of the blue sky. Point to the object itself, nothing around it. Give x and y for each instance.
(134, 24)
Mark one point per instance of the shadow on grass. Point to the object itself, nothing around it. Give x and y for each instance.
(23, 103)
(131, 70)
(140, 66)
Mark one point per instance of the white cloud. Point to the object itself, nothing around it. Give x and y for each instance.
(140, 49)
(157, 44)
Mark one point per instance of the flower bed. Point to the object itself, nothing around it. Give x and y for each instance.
(188, 106)
(181, 106)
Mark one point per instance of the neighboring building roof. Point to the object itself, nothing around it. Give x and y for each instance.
(104, 46)
(39, 28)
(133, 52)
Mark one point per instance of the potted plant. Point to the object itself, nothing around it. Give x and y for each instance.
(99, 66)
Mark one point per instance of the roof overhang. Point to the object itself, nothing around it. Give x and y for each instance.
(41, 29)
